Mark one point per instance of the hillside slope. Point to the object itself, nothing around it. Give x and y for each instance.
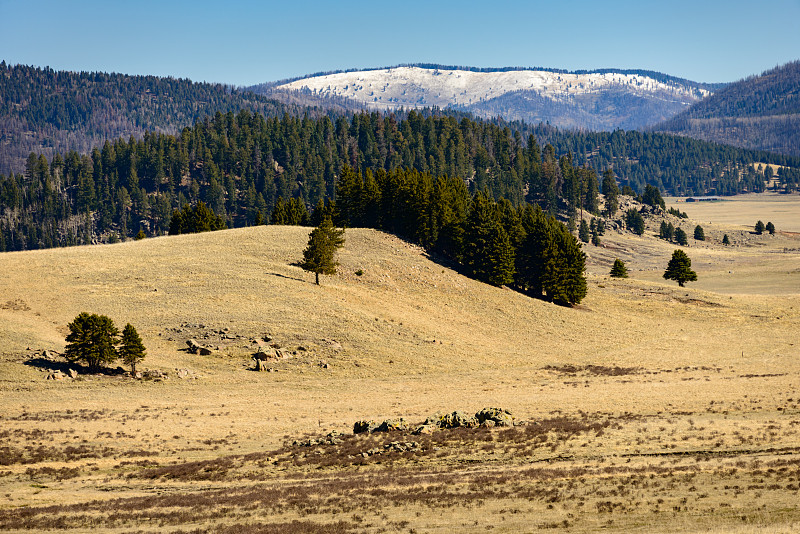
(597, 100)
(625, 391)
(759, 112)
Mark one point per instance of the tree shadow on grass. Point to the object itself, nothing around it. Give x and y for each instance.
(49, 365)
(287, 277)
(464, 271)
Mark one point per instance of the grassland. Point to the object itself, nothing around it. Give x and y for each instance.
(648, 407)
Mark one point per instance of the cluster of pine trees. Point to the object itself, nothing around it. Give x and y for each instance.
(495, 241)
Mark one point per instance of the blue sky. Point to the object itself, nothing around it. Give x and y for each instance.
(248, 42)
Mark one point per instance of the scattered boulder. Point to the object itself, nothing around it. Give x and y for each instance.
(56, 375)
(184, 374)
(156, 375)
(265, 354)
(390, 425)
(332, 438)
(498, 416)
(425, 429)
(458, 419)
(72, 373)
(194, 346)
(364, 426)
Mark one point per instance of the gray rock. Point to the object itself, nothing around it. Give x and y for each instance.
(72, 373)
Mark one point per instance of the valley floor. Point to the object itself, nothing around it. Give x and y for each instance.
(647, 408)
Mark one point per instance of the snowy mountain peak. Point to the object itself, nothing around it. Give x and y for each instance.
(530, 95)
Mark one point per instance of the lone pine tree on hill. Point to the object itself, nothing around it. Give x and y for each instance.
(132, 350)
(323, 242)
(679, 269)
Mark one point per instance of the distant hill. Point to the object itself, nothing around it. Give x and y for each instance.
(47, 111)
(759, 112)
(604, 99)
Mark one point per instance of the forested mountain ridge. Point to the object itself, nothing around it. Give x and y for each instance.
(243, 165)
(604, 99)
(47, 111)
(760, 112)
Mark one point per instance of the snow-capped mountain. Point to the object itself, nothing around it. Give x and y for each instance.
(596, 100)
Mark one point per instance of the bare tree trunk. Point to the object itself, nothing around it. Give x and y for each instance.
(317, 275)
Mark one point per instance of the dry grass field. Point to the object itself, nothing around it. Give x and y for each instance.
(647, 408)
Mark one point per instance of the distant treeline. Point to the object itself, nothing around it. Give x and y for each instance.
(47, 111)
(239, 165)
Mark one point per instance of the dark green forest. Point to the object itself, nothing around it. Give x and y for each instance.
(761, 112)
(47, 111)
(240, 165)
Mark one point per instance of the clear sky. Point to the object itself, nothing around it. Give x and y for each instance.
(247, 42)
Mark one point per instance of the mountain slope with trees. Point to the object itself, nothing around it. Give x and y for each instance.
(244, 166)
(759, 112)
(49, 112)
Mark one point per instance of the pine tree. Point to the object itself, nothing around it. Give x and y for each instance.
(679, 269)
(667, 231)
(611, 193)
(634, 221)
(760, 227)
(132, 350)
(652, 197)
(618, 270)
(583, 233)
(770, 228)
(91, 340)
(323, 242)
(725, 240)
(699, 235)
(680, 237)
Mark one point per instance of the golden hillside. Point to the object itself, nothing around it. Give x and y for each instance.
(692, 366)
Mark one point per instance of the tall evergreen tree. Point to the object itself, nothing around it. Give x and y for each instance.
(699, 234)
(319, 257)
(680, 237)
(91, 340)
(679, 269)
(132, 350)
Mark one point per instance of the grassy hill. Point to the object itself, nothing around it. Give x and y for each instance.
(674, 395)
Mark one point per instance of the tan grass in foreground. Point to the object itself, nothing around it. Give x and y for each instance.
(650, 407)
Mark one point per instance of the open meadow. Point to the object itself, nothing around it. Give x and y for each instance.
(646, 408)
